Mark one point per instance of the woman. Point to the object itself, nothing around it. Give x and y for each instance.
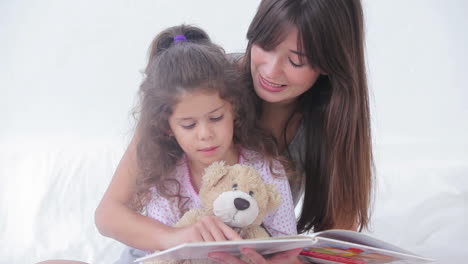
(305, 62)
(305, 65)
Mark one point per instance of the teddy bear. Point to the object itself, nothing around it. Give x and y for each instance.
(237, 195)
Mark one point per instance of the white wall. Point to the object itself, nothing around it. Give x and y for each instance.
(75, 64)
(417, 63)
(69, 72)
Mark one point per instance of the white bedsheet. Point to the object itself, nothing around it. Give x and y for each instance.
(48, 196)
(69, 72)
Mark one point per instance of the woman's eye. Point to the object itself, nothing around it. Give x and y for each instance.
(188, 126)
(234, 186)
(251, 193)
(218, 118)
(295, 64)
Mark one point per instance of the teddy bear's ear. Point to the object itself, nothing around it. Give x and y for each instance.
(214, 173)
(274, 199)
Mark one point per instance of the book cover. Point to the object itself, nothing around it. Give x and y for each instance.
(332, 246)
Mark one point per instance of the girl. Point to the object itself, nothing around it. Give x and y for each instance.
(193, 112)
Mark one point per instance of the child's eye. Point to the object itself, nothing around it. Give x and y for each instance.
(188, 126)
(295, 64)
(218, 118)
(234, 186)
(251, 193)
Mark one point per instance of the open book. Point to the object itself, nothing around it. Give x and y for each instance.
(332, 246)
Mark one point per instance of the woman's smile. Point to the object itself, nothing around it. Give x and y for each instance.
(270, 86)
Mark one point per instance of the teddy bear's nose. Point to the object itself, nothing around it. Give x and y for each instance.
(241, 204)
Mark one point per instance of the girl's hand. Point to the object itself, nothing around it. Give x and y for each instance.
(285, 257)
(206, 229)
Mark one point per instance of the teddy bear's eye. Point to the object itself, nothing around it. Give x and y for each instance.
(251, 193)
(234, 186)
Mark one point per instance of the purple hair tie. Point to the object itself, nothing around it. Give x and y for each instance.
(179, 38)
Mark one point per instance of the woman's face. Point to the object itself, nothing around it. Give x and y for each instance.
(282, 74)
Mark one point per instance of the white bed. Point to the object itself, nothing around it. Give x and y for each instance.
(69, 73)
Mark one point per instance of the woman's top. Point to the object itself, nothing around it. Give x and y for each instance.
(297, 150)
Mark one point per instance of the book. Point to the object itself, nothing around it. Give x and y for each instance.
(331, 246)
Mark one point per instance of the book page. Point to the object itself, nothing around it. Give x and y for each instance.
(322, 247)
(201, 250)
(359, 238)
(327, 250)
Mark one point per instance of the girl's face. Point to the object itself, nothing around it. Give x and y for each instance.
(203, 125)
(279, 75)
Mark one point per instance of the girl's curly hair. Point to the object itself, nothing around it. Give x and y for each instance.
(176, 67)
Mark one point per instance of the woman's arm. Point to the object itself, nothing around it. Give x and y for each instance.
(286, 257)
(114, 218)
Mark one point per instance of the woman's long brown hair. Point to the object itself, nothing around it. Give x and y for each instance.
(338, 162)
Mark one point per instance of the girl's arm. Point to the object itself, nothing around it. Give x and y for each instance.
(115, 219)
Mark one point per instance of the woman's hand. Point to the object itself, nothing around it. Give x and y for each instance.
(285, 257)
(206, 229)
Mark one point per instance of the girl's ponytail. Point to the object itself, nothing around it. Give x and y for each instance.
(165, 39)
